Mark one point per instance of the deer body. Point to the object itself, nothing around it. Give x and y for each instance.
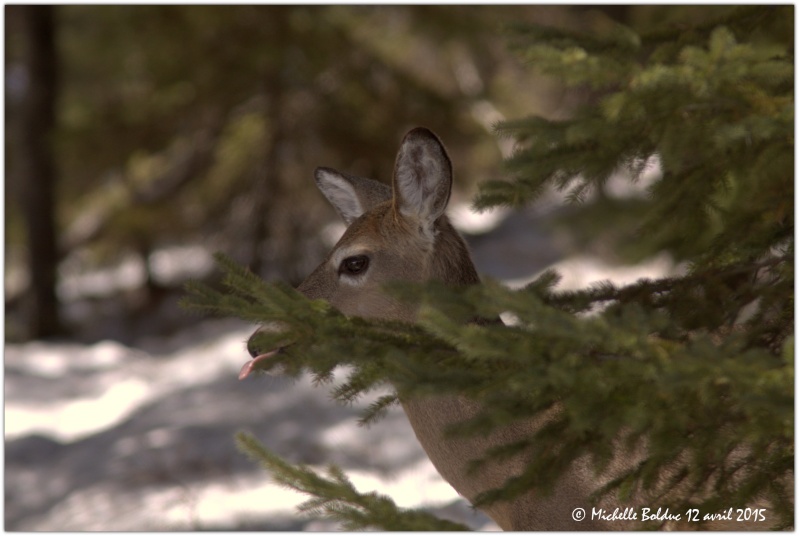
(402, 234)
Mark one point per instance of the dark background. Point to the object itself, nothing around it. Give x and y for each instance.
(135, 131)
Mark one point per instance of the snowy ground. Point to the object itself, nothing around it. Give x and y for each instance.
(106, 437)
(130, 438)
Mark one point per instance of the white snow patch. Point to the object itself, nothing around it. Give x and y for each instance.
(418, 485)
(245, 499)
(68, 421)
(123, 381)
(78, 280)
(466, 220)
(332, 232)
(79, 277)
(582, 271)
(622, 186)
(50, 361)
(178, 263)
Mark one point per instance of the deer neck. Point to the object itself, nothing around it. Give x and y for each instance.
(451, 262)
(430, 416)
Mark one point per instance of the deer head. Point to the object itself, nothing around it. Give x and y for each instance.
(393, 234)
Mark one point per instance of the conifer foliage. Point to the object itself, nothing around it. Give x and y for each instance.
(697, 366)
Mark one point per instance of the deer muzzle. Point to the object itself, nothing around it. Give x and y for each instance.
(260, 356)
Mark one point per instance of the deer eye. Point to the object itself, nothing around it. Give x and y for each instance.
(354, 265)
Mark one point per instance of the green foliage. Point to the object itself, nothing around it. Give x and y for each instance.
(337, 499)
(699, 368)
(716, 112)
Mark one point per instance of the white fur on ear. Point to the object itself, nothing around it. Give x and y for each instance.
(340, 192)
(422, 177)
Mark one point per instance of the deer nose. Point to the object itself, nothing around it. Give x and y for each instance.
(252, 348)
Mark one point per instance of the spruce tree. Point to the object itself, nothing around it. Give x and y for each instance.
(697, 365)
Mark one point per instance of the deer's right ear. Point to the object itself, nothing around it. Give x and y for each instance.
(350, 196)
(422, 177)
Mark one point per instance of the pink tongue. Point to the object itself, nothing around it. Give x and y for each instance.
(249, 366)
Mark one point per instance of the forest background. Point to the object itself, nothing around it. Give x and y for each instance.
(131, 129)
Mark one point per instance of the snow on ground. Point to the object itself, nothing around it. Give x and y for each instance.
(582, 271)
(168, 265)
(109, 437)
(105, 437)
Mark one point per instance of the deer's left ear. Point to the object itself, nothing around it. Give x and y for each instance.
(351, 196)
(422, 177)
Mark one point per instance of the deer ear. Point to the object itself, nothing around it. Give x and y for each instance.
(350, 196)
(422, 177)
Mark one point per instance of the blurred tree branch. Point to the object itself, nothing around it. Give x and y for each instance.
(186, 162)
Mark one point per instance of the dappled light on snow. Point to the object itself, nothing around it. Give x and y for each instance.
(125, 431)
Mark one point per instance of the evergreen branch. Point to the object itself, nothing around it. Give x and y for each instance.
(619, 39)
(575, 57)
(737, 17)
(378, 409)
(658, 293)
(335, 497)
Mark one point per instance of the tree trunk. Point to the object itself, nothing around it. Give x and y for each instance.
(37, 173)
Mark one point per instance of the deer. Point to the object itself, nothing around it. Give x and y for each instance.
(401, 233)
